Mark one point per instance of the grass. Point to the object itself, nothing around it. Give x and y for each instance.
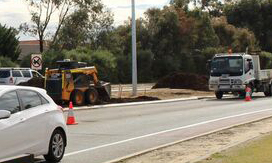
(256, 151)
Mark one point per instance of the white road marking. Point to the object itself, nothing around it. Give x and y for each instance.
(162, 132)
(136, 103)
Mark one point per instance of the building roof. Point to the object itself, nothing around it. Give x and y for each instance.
(31, 47)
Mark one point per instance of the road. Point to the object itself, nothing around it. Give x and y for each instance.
(110, 133)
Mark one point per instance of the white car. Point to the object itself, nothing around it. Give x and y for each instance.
(30, 123)
(15, 76)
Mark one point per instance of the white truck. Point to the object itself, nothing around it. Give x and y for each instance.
(232, 73)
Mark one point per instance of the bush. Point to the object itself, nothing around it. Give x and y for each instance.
(104, 61)
(106, 64)
(6, 62)
(266, 60)
(145, 60)
(124, 74)
(80, 54)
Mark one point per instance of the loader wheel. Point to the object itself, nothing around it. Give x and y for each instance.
(91, 96)
(77, 97)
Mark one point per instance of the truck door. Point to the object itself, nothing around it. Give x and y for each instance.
(249, 69)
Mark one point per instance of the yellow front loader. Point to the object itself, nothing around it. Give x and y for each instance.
(73, 81)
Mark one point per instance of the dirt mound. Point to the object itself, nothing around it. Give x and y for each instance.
(181, 80)
(137, 99)
(34, 82)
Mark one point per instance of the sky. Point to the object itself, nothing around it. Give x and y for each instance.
(15, 12)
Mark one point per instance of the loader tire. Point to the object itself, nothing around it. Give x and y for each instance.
(91, 96)
(78, 97)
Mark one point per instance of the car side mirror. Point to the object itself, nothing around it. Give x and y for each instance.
(4, 114)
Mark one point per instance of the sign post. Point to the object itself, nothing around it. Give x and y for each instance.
(36, 61)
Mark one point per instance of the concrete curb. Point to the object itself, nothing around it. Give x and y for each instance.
(190, 138)
(139, 103)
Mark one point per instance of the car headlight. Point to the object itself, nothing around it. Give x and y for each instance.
(237, 81)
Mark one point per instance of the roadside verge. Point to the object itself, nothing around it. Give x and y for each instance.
(202, 146)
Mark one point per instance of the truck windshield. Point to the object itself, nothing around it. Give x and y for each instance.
(232, 65)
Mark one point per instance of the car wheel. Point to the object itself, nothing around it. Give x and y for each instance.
(77, 97)
(91, 96)
(219, 95)
(56, 147)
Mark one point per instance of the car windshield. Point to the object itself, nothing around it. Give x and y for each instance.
(232, 66)
(4, 73)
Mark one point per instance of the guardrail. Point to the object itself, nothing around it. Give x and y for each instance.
(27, 158)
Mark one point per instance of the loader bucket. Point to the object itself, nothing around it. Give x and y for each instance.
(104, 91)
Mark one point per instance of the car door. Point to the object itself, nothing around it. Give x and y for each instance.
(36, 74)
(35, 114)
(17, 76)
(26, 74)
(13, 132)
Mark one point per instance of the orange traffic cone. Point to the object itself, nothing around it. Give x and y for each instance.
(71, 117)
(248, 96)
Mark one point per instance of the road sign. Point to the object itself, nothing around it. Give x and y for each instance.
(36, 61)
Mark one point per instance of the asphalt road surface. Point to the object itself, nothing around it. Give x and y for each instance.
(110, 133)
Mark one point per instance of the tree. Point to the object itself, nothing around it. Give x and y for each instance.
(104, 61)
(42, 12)
(6, 62)
(204, 32)
(81, 28)
(74, 31)
(9, 44)
(180, 3)
(254, 15)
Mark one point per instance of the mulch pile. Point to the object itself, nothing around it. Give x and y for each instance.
(34, 82)
(181, 80)
(121, 100)
(137, 99)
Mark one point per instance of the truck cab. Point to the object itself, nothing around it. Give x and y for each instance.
(232, 73)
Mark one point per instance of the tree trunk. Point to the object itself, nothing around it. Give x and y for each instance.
(41, 43)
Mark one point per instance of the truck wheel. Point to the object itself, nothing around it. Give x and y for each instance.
(219, 95)
(91, 96)
(77, 97)
(269, 92)
(242, 95)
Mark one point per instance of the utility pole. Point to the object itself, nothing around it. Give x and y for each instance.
(134, 51)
